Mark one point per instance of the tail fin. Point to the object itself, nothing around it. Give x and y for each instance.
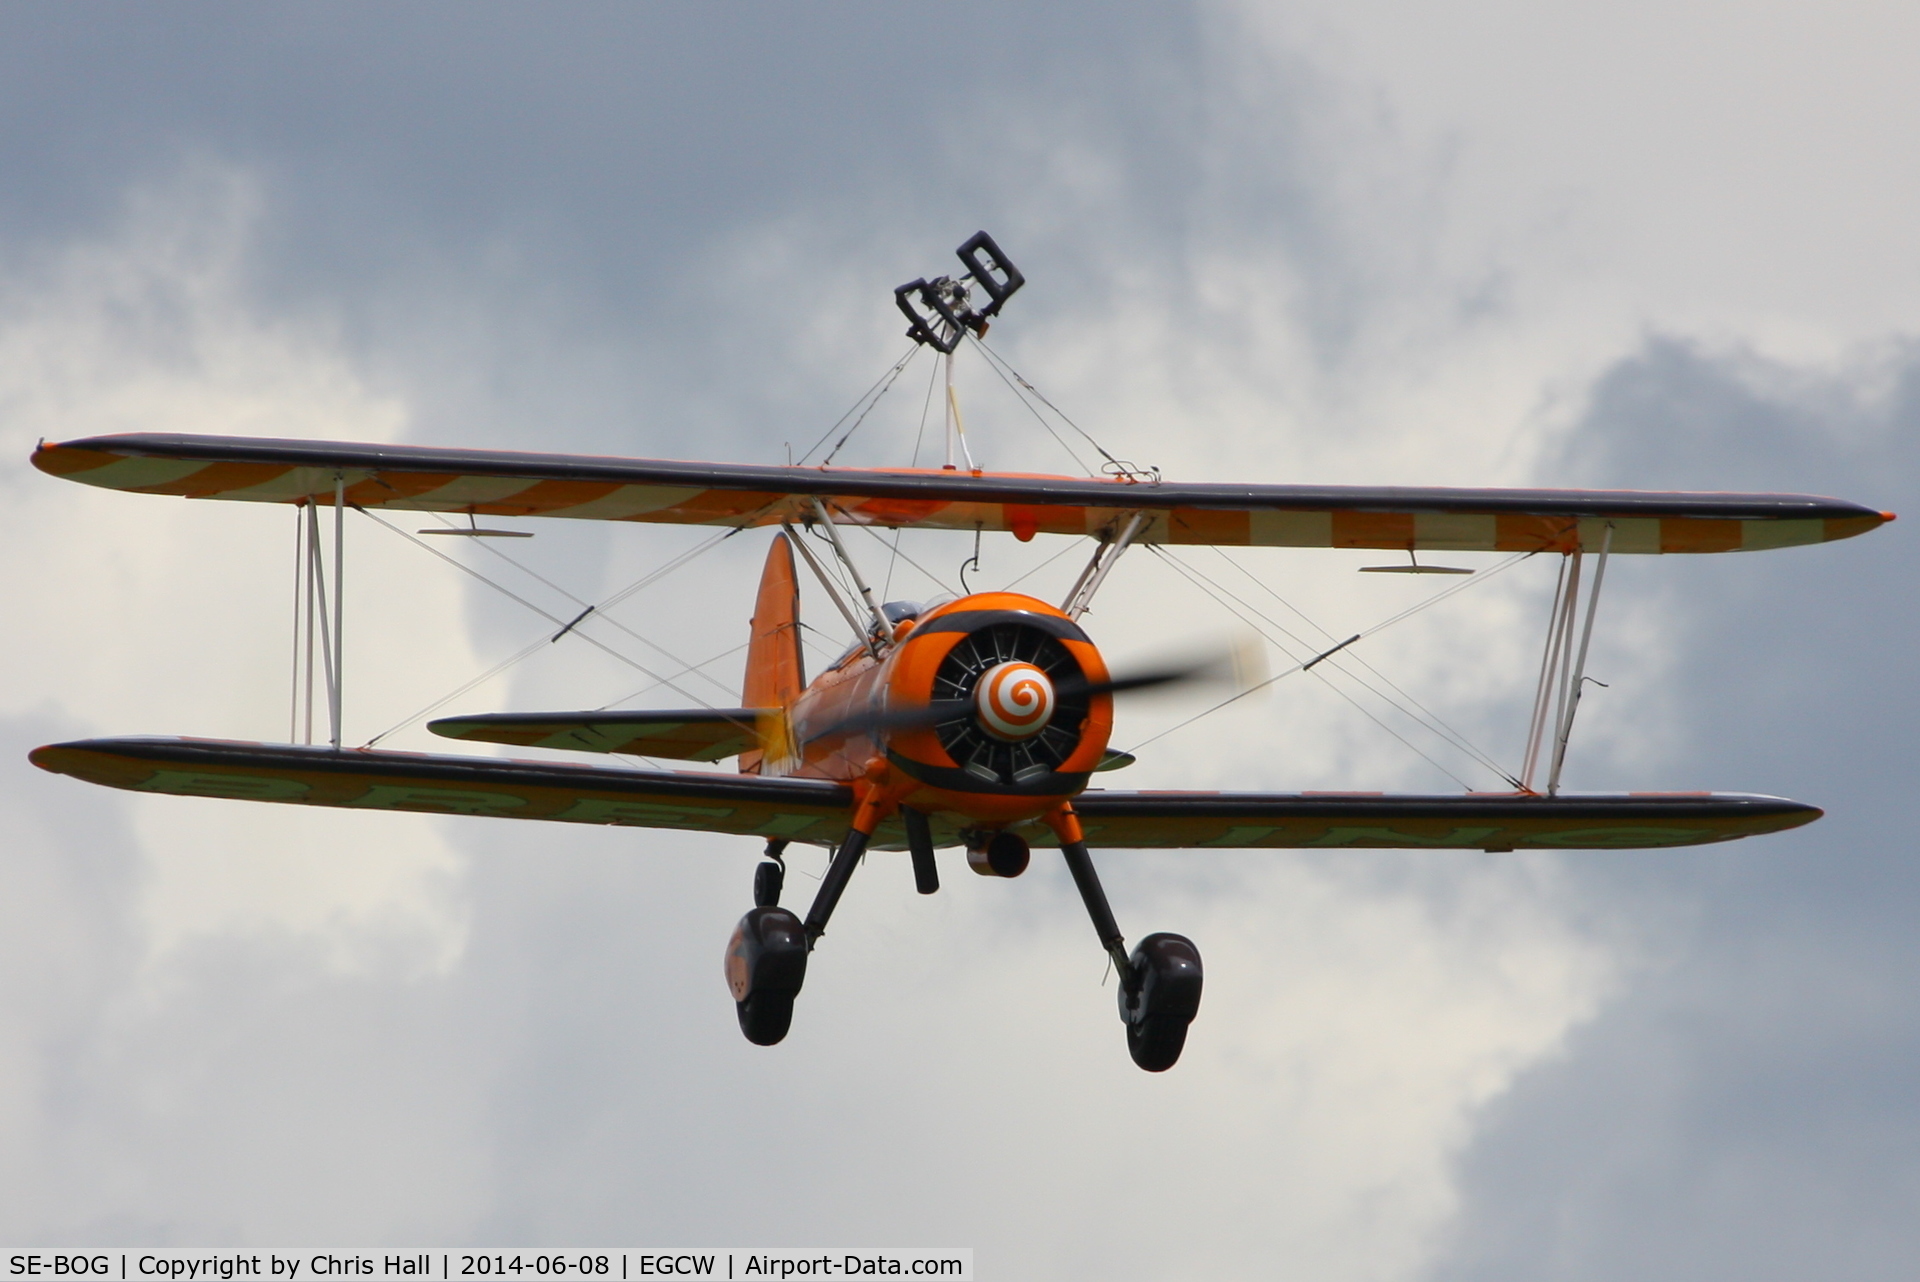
(776, 673)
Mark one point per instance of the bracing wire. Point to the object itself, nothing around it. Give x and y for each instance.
(1299, 666)
(1072, 545)
(823, 646)
(655, 685)
(1431, 720)
(539, 643)
(926, 407)
(1118, 466)
(994, 364)
(863, 406)
(552, 618)
(944, 585)
(1361, 659)
(1201, 582)
(898, 370)
(892, 371)
(600, 610)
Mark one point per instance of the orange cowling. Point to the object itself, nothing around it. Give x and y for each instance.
(775, 671)
(918, 752)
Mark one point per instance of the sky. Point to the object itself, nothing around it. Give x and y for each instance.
(1545, 244)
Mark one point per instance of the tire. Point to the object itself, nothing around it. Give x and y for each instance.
(1155, 1044)
(766, 964)
(1164, 1000)
(765, 1017)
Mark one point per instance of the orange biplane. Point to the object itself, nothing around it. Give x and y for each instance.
(978, 722)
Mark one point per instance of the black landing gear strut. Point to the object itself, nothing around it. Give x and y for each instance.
(767, 956)
(1159, 982)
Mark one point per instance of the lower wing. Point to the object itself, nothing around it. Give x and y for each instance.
(1484, 821)
(798, 809)
(817, 811)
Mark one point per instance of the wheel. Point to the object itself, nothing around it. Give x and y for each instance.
(1162, 1000)
(1155, 1044)
(765, 1017)
(765, 967)
(767, 881)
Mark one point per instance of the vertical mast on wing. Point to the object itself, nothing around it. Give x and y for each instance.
(776, 672)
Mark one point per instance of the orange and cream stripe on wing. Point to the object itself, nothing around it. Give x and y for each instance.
(415, 478)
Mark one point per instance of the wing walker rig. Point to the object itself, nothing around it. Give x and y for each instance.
(977, 722)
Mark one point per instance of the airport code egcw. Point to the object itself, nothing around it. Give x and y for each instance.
(445, 1265)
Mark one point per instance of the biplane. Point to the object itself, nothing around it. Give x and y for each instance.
(978, 722)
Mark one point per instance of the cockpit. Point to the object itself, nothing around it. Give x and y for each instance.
(895, 613)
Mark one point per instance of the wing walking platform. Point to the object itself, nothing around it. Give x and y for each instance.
(500, 483)
(816, 811)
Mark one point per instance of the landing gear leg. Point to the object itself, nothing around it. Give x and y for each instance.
(834, 884)
(1080, 864)
(1159, 982)
(767, 959)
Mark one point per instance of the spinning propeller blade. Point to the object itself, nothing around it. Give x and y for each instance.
(941, 710)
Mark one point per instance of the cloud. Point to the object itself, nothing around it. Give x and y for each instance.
(184, 626)
(1739, 1111)
(523, 1032)
(1275, 244)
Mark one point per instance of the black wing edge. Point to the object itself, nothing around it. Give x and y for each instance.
(812, 810)
(1486, 821)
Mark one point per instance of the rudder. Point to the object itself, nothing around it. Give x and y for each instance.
(776, 672)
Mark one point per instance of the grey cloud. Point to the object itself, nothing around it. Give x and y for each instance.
(1748, 1109)
(542, 231)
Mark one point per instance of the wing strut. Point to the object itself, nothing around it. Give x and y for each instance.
(311, 613)
(1104, 558)
(882, 629)
(1578, 682)
(954, 425)
(833, 592)
(1563, 669)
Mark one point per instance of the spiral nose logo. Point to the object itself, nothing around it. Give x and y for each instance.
(1014, 701)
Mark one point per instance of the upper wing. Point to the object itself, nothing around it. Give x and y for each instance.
(1485, 821)
(704, 734)
(816, 811)
(498, 483)
(797, 809)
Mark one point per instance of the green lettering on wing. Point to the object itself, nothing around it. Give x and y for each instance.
(452, 801)
(191, 783)
(1391, 837)
(1235, 837)
(787, 825)
(1624, 838)
(643, 814)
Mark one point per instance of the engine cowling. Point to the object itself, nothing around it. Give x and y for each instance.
(1023, 732)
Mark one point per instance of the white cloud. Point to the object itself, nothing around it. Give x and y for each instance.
(161, 616)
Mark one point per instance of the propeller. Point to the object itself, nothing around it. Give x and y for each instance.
(939, 711)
